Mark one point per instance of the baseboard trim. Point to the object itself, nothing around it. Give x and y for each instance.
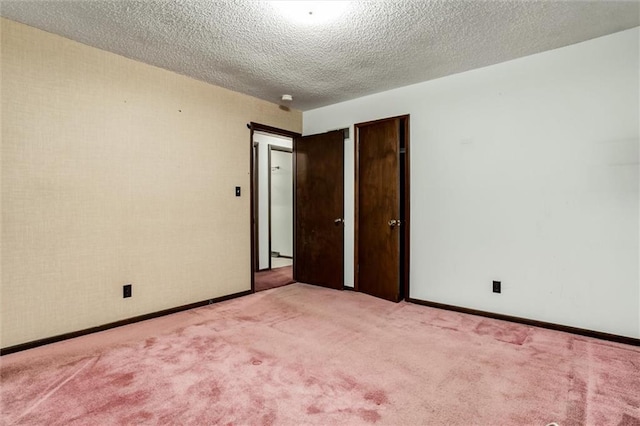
(47, 340)
(565, 328)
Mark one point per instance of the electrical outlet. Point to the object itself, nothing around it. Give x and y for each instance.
(497, 287)
(126, 290)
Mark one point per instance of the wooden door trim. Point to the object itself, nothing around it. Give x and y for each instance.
(367, 123)
(356, 205)
(253, 127)
(404, 120)
(273, 130)
(255, 170)
(407, 211)
(281, 149)
(294, 170)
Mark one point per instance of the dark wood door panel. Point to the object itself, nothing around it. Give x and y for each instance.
(378, 247)
(319, 203)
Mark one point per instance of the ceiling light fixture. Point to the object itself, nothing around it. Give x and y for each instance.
(310, 11)
(287, 98)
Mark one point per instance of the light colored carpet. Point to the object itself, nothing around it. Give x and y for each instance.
(306, 355)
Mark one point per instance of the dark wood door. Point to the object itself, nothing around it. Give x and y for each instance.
(378, 206)
(319, 209)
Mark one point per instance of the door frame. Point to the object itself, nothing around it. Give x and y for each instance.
(404, 279)
(255, 172)
(253, 127)
(290, 151)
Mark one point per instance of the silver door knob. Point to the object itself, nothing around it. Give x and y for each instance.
(395, 222)
(338, 221)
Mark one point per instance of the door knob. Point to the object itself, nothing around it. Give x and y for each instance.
(338, 221)
(395, 222)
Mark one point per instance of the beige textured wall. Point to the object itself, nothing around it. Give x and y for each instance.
(117, 172)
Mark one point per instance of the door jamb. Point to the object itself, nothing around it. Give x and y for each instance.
(252, 126)
(404, 120)
(254, 194)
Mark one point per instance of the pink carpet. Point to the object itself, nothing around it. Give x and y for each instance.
(306, 355)
(276, 277)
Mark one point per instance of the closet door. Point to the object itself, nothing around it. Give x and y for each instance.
(379, 217)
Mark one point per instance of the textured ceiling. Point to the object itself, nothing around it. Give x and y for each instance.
(249, 47)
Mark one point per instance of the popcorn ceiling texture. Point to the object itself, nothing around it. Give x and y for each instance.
(247, 47)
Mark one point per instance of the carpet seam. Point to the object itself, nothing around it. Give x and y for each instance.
(57, 388)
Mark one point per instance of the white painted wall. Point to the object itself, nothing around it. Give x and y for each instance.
(525, 172)
(264, 140)
(282, 202)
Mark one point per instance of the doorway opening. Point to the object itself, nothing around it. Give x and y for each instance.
(280, 206)
(271, 207)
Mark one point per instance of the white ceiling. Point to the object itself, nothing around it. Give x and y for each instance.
(249, 47)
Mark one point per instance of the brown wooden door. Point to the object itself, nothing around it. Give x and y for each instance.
(319, 209)
(378, 204)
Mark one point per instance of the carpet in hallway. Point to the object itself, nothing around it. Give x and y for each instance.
(272, 278)
(306, 355)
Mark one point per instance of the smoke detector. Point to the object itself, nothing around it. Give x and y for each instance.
(287, 98)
